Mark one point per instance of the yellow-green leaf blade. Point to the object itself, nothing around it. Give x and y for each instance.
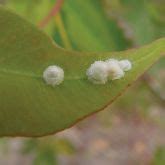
(29, 107)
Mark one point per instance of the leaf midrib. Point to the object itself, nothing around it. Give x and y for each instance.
(31, 75)
(2, 71)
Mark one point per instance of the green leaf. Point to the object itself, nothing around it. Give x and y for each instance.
(29, 107)
(138, 15)
(33, 10)
(98, 33)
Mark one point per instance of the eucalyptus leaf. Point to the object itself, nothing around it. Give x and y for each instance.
(98, 32)
(34, 11)
(29, 107)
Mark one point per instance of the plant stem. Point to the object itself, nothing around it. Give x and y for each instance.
(62, 31)
(52, 13)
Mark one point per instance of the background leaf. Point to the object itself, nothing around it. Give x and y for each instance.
(142, 20)
(34, 11)
(31, 108)
(98, 32)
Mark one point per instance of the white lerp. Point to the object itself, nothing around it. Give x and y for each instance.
(97, 72)
(125, 65)
(114, 70)
(53, 75)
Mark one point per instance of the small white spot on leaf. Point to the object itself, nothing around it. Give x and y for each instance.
(53, 75)
(100, 71)
(97, 72)
(114, 70)
(112, 60)
(125, 65)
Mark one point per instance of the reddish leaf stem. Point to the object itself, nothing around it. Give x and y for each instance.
(52, 13)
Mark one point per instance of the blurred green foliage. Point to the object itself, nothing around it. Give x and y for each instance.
(90, 29)
(46, 150)
(33, 10)
(142, 20)
(159, 158)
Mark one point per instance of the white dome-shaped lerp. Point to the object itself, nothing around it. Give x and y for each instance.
(114, 70)
(125, 65)
(97, 72)
(53, 75)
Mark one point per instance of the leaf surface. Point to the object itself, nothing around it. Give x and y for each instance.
(29, 107)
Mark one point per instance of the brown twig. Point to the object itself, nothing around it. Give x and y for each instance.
(52, 13)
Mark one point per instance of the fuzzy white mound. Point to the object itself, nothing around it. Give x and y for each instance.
(101, 71)
(125, 65)
(97, 72)
(53, 75)
(114, 70)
